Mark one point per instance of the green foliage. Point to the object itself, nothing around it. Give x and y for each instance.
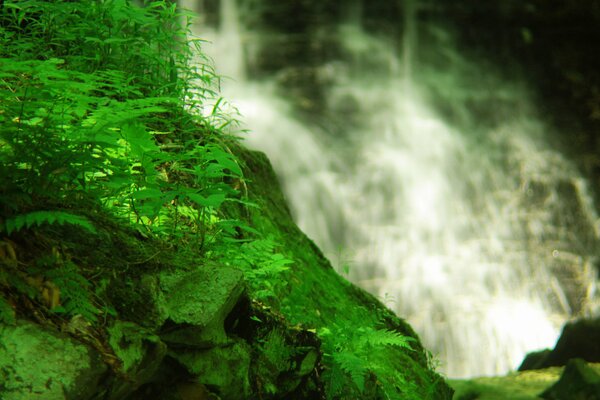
(102, 103)
(94, 106)
(7, 314)
(75, 294)
(352, 354)
(45, 217)
(262, 265)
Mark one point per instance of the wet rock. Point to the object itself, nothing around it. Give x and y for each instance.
(577, 382)
(39, 363)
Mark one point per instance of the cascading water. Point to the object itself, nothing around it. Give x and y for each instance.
(477, 232)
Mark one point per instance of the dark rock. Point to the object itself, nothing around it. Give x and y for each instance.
(535, 360)
(577, 382)
(579, 339)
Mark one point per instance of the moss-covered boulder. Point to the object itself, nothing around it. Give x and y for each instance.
(179, 325)
(140, 353)
(40, 363)
(196, 304)
(316, 296)
(578, 381)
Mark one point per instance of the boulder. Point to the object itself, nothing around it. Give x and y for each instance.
(226, 369)
(140, 353)
(37, 362)
(577, 382)
(197, 304)
(579, 339)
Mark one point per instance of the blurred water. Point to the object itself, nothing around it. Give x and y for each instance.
(478, 232)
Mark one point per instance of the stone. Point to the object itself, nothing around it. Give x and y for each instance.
(140, 352)
(198, 303)
(534, 360)
(225, 369)
(579, 339)
(37, 362)
(577, 382)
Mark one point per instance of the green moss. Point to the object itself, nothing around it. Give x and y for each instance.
(62, 368)
(525, 385)
(316, 296)
(224, 368)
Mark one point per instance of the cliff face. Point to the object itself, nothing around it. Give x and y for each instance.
(185, 327)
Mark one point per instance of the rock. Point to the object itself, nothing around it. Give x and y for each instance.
(534, 360)
(140, 352)
(39, 363)
(579, 339)
(197, 304)
(577, 382)
(225, 370)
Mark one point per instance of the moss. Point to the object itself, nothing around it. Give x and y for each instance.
(517, 386)
(62, 368)
(316, 296)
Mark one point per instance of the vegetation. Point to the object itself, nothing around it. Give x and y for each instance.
(109, 124)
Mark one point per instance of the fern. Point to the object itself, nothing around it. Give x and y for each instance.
(350, 356)
(75, 294)
(383, 337)
(261, 263)
(355, 366)
(45, 217)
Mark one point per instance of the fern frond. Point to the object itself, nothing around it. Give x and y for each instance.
(354, 366)
(74, 292)
(45, 217)
(384, 337)
(335, 379)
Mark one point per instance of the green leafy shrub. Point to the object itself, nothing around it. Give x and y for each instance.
(95, 99)
(262, 265)
(102, 104)
(46, 217)
(351, 354)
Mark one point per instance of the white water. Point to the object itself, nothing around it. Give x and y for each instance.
(460, 229)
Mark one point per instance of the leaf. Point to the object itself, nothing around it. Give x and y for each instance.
(140, 140)
(383, 337)
(147, 194)
(213, 200)
(355, 366)
(226, 160)
(75, 293)
(45, 217)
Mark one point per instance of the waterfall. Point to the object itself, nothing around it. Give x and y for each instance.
(444, 195)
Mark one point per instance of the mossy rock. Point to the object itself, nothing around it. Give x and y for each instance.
(316, 296)
(39, 363)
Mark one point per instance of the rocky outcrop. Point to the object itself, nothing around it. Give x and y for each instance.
(579, 339)
(183, 328)
(204, 335)
(37, 362)
(578, 381)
